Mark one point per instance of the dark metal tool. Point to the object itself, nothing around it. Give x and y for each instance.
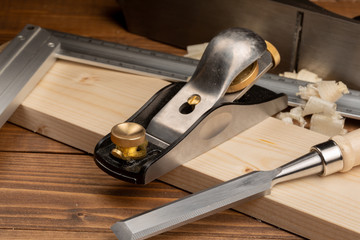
(341, 153)
(183, 121)
(307, 36)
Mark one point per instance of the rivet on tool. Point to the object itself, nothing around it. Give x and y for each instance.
(190, 104)
(194, 100)
(130, 141)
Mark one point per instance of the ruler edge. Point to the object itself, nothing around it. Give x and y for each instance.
(350, 111)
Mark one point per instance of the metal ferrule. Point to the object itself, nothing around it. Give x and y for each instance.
(323, 159)
(306, 165)
(331, 157)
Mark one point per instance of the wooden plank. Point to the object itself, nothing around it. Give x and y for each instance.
(306, 206)
(60, 196)
(77, 104)
(20, 140)
(54, 235)
(87, 100)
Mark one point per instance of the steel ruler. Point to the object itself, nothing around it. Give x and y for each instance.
(34, 50)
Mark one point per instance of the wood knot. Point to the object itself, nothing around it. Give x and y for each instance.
(247, 170)
(86, 79)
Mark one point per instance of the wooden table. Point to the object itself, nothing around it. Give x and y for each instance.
(52, 191)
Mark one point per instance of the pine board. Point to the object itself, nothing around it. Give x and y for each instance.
(78, 104)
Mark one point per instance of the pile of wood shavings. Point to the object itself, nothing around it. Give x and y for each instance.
(196, 51)
(320, 104)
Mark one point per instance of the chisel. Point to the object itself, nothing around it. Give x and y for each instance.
(339, 154)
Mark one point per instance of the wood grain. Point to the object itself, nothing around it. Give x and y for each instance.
(297, 206)
(78, 104)
(65, 196)
(20, 140)
(85, 101)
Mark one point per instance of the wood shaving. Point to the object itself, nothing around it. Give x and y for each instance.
(297, 114)
(308, 91)
(285, 117)
(303, 74)
(318, 105)
(327, 125)
(321, 97)
(196, 51)
(289, 75)
(306, 75)
(331, 90)
(293, 117)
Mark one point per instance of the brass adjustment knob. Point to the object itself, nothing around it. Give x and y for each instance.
(130, 141)
(249, 74)
(274, 54)
(245, 78)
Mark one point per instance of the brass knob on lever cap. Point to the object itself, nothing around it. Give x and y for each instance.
(245, 78)
(274, 54)
(249, 74)
(130, 141)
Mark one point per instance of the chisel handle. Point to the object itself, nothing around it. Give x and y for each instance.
(350, 147)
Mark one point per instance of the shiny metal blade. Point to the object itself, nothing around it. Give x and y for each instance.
(196, 206)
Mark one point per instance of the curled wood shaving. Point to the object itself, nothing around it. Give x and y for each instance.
(196, 51)
(308, 91)
(318, 105)
(285, 117)
(303, 74)
(321, 97)
(328, 125)
(331, 90)
(293, 117)
(289, 75)
(306, 75)
(327, 90)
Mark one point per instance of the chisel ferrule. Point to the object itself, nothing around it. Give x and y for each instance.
(331, 157)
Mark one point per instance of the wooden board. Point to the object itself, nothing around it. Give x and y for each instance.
(77, 105)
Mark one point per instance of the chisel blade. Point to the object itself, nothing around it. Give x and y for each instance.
(196, 206)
